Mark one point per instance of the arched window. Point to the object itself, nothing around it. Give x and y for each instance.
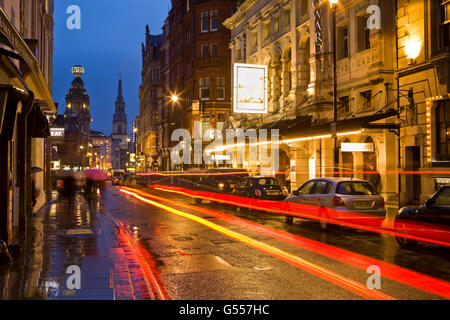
(119, 129)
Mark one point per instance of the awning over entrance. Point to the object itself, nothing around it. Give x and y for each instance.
(302, 127)
(29, 67)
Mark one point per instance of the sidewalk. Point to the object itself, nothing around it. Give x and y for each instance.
(86, 241)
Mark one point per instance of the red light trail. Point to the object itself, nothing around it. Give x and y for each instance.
(415, 231)
(393, 272)
(303, 264)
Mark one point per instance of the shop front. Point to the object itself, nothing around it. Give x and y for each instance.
(25, 106)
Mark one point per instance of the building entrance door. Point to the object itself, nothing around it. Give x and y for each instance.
(412, 181)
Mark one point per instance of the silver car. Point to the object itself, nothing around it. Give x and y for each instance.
(340, 194)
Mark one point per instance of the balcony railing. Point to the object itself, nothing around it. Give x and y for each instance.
(212, 61)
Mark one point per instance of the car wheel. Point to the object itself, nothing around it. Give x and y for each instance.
(404, 241)
(289, 219)
(198, 200)
(323, 218)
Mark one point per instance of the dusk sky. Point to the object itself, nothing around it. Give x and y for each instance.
(108, 43)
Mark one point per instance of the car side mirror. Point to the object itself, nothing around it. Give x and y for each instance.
(295, 192)
(429, 203)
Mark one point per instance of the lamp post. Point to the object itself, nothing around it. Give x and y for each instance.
(333, 4)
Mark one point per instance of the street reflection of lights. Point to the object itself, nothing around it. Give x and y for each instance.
(337, 279)
(396, 273)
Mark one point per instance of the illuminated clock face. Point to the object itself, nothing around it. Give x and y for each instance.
(78, 70)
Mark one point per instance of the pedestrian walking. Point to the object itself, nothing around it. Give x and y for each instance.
(68, 190)
(90, 193)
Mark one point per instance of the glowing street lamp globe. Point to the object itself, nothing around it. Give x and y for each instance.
(174, 98)
(412, 48)
(333, 2)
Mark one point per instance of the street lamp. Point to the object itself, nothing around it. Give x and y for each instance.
(174, 98)
(333, 4)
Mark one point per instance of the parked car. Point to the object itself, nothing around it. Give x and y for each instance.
(260, 187)
(220, 180)
(116, 176)
(431, 220)
(340, 194)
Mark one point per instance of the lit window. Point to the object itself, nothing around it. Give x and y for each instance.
(443, 131)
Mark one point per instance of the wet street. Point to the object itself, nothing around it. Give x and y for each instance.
(215, 251)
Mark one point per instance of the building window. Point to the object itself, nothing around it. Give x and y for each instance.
(205, 21)
(204, 89)
(444, 24)
(220, 88)
(366, 100)
(363, 33)
(344, 104)
(443, 131)
(213, 16)
(214, 50)
(342, 33)
(204, 50)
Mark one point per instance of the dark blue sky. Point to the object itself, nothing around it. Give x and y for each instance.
(108, 43)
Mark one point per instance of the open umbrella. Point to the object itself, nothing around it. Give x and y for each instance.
(95, 174)
(36, 169)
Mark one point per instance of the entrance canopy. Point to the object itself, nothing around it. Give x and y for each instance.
(302, 127)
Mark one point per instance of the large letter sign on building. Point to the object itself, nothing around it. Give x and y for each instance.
(250, 88)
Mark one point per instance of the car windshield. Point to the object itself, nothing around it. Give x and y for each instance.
(443, 198)
(268, 182)
(355, 188)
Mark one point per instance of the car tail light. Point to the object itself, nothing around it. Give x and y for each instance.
(258, 193)
(338, 202)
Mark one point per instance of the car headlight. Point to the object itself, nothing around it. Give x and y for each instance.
(221, 186)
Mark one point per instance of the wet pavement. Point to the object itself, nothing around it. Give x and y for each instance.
(127, 249)
(74, 253)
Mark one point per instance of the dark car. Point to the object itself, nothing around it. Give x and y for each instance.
(431, 221)
(260, 187)
(220, 180)
(223, 179)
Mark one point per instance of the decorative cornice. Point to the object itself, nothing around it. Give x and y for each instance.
(239, 15)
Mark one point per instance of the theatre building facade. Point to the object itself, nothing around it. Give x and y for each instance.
(386, 100)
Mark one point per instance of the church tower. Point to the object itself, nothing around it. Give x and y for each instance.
(120, 123)
(120, 138)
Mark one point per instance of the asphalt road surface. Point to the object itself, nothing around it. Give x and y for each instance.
(227, 260)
